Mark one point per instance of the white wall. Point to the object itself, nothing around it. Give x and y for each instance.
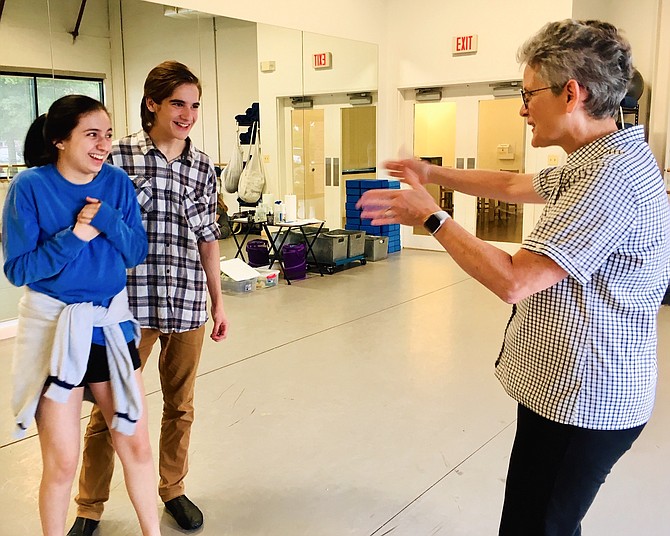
(30, 40)
(237, 71)
(352, 19)
(419, 44)
(422, 45)
(354, 65)
(284, 47)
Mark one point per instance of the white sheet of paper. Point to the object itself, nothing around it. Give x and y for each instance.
(238, 270)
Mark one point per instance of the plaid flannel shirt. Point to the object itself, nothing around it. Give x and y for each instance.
(178, 205)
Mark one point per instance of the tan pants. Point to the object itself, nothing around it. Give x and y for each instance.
(177, 367)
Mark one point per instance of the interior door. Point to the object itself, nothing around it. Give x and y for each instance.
(308, 168)
(331, 142)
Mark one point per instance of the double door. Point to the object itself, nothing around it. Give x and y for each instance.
(328, 145)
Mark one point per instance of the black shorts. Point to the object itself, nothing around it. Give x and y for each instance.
(97, 369)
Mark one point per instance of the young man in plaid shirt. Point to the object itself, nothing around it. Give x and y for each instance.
(176, 189)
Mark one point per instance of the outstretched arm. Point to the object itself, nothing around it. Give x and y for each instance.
(510, 277)
(503, 185)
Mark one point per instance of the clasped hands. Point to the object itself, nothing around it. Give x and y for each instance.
(83, 228)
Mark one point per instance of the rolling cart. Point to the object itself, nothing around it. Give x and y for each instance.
(342, 264)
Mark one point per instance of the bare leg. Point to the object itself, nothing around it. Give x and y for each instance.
(58, 427)
(135, 455)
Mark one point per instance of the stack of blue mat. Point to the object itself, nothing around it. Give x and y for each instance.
(356, 188)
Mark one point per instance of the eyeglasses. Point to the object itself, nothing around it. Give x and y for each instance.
(527, 94)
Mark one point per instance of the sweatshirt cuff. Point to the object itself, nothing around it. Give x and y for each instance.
(104, 220)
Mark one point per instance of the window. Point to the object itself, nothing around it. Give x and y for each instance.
(24, 97)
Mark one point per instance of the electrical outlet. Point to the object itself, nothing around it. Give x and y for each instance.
(552, 160)
(266, 158)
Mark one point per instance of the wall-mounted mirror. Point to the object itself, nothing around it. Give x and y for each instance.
(332, 130)
(118, 41)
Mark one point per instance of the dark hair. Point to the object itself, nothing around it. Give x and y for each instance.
(55, 126)
(161, 82)
(591, 52)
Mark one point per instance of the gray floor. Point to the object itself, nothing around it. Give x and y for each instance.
(361, 403)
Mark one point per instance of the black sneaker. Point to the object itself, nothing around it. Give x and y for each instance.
(83, 527)
(187, 515)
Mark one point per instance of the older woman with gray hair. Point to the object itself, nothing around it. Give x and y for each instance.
(579, 351)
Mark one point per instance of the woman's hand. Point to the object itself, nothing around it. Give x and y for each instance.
(399, 169)
(409, 206)
(83, 228)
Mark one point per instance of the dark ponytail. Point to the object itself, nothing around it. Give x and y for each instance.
(55, 126)
(35, 150)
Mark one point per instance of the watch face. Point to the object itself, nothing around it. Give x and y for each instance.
(432, 224)
(435, 221)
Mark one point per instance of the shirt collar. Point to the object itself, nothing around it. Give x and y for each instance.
(146, 145)
(610, 142)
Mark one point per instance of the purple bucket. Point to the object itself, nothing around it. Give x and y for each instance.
(295, 260)
(258, 252)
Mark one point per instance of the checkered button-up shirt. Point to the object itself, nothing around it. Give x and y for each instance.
(178, 205)
(583, 352)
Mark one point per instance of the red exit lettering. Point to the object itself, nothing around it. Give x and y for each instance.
(464, 43)
(322, 60)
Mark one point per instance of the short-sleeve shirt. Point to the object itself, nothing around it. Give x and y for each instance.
(583, 351)
(178, 204)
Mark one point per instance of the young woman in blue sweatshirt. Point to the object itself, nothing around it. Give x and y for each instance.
(71, 228)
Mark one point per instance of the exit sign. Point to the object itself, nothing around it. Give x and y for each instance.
(464, 44)
(322, 60)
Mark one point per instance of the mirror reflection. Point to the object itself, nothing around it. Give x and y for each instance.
(498, 142)
(108, 54)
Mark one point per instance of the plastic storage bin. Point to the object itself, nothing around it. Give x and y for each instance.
(376, 247)
(267, 278)
(237, 287)
(237, 276)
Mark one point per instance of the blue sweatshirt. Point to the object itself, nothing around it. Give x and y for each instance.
(41, 250)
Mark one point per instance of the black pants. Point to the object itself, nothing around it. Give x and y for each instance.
(554, 474)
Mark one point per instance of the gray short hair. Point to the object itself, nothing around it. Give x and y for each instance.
(591, 52)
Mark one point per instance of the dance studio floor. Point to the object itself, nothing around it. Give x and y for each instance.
(361, 403)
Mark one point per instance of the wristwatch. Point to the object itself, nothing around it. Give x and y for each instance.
(435, 221)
